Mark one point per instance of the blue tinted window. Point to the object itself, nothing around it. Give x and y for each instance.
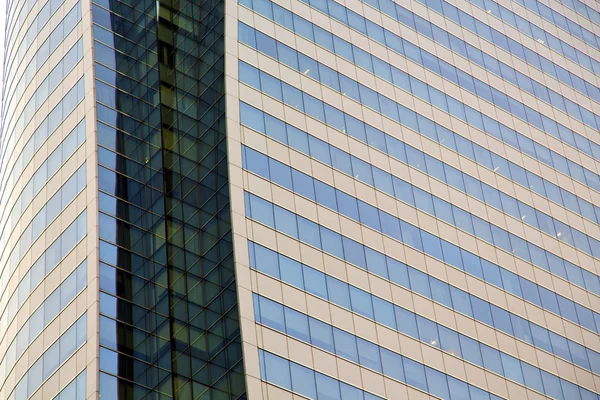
(297, 324)
(277, 370)
(338, 292)
(321, 335)
(392, 364)
(291, 271)
(415, 374)
(368, 354)
(303, 381)
(345, 345)
(406, 322)
(327, 388)
(315, 282)
(437, 383)
(361, 302)
(272, 314)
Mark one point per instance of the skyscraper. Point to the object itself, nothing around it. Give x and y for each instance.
(285, 199)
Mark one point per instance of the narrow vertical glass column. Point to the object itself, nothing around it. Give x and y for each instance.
(206, 340)
(169, 319)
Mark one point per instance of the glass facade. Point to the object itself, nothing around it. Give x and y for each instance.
(284, 199)
(166, 252)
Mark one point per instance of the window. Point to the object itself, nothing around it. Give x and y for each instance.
(272, 314)
(338, 292)
(321, 335)
(368, 354)
(277, 370)
(415, 374)
(438, 384)
(327, 388)
(315, 282)
(345, 345)
(303, 381)
(361, 302)
(297, 324)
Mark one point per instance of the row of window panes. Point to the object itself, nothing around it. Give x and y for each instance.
(388, 224)
(45, 89)
(45, 264)
(7, 172)
(146, 219)
(429, 94)
(393, 110)
(10, 174)
(106, 18)
(16, 18)
(145, 319)
(362, 352)
(427, 331)
(305, 381)
(49, 212)
(419, 282)
(148, 379)
(42, 54)
(111, 386)
(44, 12)
(111, 230)
(519, 50)
(427, 164)
(580, 8)
(53, 207)
(43, 174)
(142, 151)
(150, 291)
(42, 18)
(53, 121)
(152, 349)
(411, 324)
(474, 85)
(15, 128)
(472, 150)
(587, 36)
(41, 318)
(39, 179)
(427, 60)
(539, 34)
(75, 390)
(392, 185)
(150, 323)
(35, 142)
(420, 124)
(51, 360)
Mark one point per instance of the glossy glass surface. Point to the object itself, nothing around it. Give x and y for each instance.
(474, 117)
(413, 279)
(74, 390)
(51, 360)
(451, 176)
(370, 355)
(580, 8)
(164, 203)
(306, 382)
(388, 224)
(396, 111)
(362, 59)
(43, 265)
(41, 317)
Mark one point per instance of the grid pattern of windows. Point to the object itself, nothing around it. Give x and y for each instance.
(408, 154)
(166, 251)
(418, 201)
